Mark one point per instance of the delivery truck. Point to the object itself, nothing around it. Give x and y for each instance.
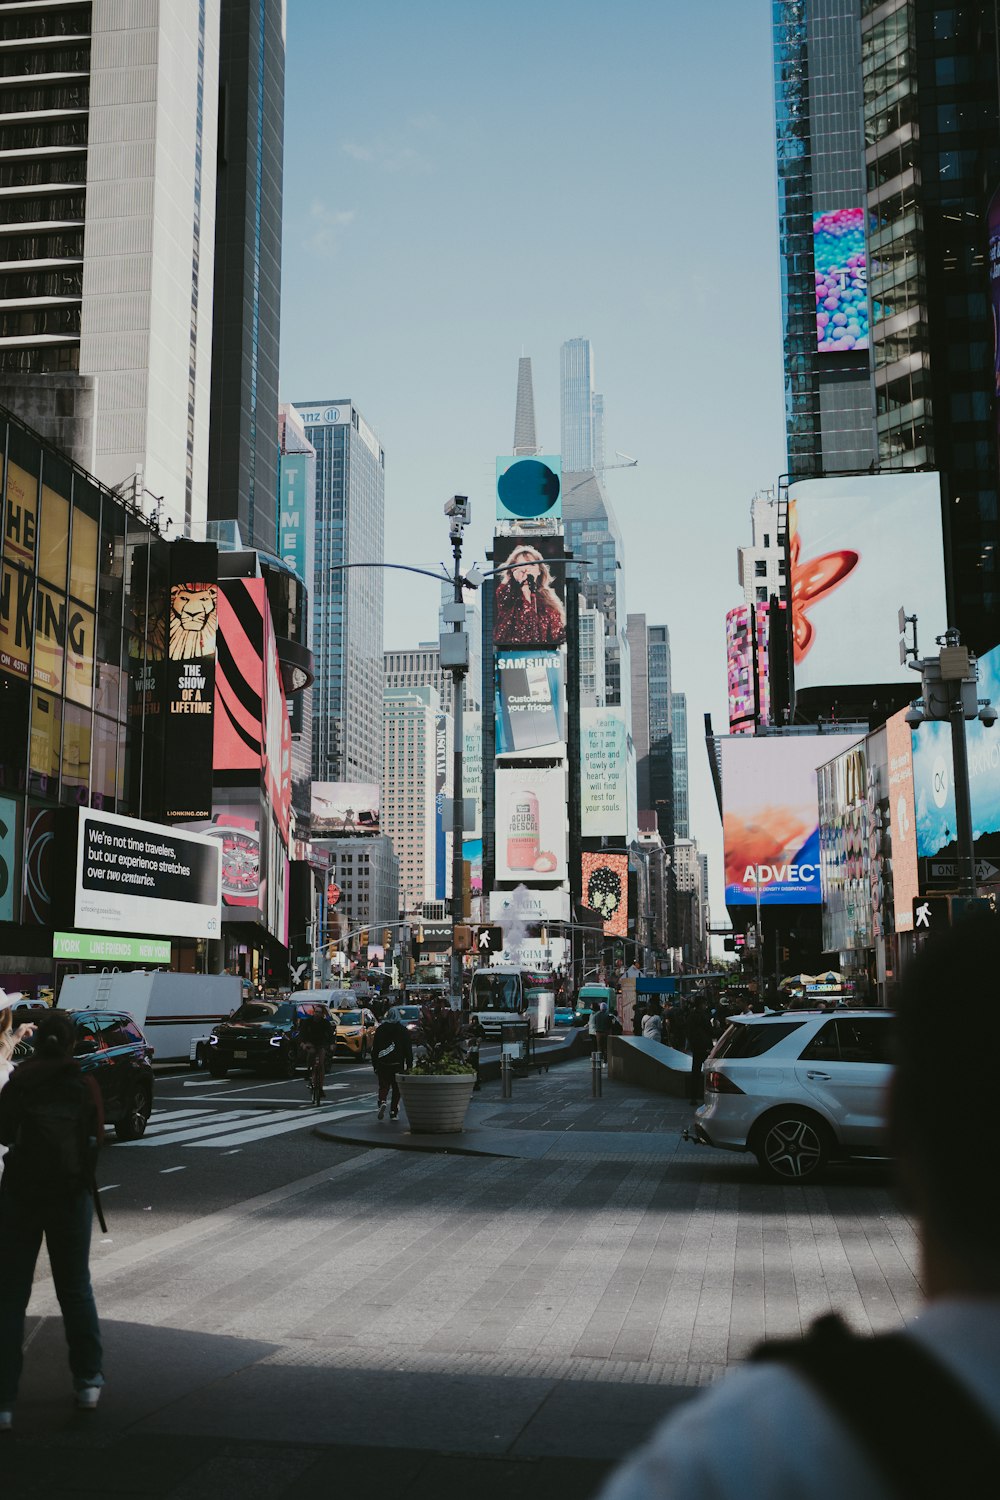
(175, 1012)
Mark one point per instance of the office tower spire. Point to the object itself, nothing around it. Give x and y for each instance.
(525, 441)
(576, 402)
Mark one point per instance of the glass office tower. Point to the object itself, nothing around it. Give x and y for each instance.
(829, 409)
(593, 536)
(678, 720)
(346, 603)
(576, 405)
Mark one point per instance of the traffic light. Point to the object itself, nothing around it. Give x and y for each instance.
(785, 955)
(729, 945)
(419, 936)
(363, 938)
(386, 937)
(463, 939)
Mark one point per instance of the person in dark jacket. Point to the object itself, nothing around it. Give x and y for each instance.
(602, 1028)
(700, 1040)
(392, 1053)
(52, 1119)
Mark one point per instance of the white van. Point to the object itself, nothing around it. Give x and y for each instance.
(175, 1012)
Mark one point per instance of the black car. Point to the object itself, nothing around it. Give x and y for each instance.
(110, 1047)
(262, 1035)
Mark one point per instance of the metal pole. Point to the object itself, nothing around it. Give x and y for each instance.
(963, 797)
(457, 802)
(760, 939)
(596, 1074)
(506, 1075)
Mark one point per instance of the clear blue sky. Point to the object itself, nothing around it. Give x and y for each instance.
(467, 182)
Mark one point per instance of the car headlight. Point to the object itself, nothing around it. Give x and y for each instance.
(276, 1041)
(213, 1040)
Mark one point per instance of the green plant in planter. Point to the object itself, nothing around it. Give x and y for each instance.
(439, 1032)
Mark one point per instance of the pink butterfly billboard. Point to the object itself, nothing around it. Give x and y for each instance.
(859, 548)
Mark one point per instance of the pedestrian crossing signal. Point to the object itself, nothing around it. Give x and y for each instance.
(487, 940)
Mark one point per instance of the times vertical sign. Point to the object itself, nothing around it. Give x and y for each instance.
(189, 680)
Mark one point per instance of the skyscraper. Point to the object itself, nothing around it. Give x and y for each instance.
(108, 115)
(576, 405)
(661, 748)
(639, 666)
(409, 799)
(931, 106)
(678, 719)
(525, 438)
(243, 452)
(594, 537)
(346, 602)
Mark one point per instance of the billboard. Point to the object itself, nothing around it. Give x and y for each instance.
(296, 508)
(189, 680)
(522, 905)
(10, 864)
(344, 807)
(860, 548)
(133, 876)
(770, 816)
(902, 819)
(605, 890)
(993, 233)
(841, 281)
(603, 773)
(529, 489)
(472, 767)
(934, 780)
(237, 832)
(529, 703)
(239, 678)
(748, 706)
(529, 598)
(531, 824)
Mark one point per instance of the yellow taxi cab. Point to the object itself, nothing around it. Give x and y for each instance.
(355, 1030)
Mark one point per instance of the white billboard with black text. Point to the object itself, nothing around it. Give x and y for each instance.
(133, 876)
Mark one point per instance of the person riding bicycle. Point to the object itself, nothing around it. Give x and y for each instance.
(317, 1031)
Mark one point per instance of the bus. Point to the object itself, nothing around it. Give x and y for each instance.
(506, 993)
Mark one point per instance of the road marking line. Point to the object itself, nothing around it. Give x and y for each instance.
(107, 1186)
(165, 1126)
(232, 1153)
(165, 1170)
(213, 1125)
(204, 1083)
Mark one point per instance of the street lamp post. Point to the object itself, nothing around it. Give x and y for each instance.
(454, 646)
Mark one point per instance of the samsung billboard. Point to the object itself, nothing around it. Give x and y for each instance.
(859, 549)
(770, 816)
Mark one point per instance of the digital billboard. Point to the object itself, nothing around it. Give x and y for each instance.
(133, 876)
(530, 823)
(237, 832)
(529, 488)
(841, 281)
(472, 768)
(902, 820)
(189, 680)
(344, 807)
(605, 890)
(770, 816)
(604, 773)
(934, 780)
(993, 233)
(859, 549)
(529, 595)
(529, 703)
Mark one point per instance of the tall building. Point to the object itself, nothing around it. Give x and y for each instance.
(243, 447)
(661, 745)
(296, 546)
(525, 437)
(108, 128)
(678, 719)
(576, 406)
(346, 602)
(592, 656)
(761, 566)
(692, 910)
(421, 667)
(931, 106)
(410, 789)
(367, 873)
(638, 641)
(829, 408)
(593, 536)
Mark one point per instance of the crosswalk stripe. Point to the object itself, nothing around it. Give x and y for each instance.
(240, 1137)
(212, 1125)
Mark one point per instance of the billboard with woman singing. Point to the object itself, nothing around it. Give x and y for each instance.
(529, 607)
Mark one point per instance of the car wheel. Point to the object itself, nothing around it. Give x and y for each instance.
(791, 1146)
(134, 1123)
(217, 1069)
(199, 1060)
(288, 1062)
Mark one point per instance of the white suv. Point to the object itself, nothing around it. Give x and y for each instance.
(798, 1089)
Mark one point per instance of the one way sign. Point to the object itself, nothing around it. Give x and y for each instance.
(488, 940)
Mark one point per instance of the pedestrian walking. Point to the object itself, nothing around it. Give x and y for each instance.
(914, 1413)
(52, 1119)
(602, 1029)
(652, 1024)
(392, 1054)
(700, 1040)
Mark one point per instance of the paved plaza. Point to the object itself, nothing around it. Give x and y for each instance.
(424, 1321)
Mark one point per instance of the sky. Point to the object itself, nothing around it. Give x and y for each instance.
(466, 183)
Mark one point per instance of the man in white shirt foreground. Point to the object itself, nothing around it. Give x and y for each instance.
(883, 1422)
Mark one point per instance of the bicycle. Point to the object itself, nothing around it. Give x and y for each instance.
(316, 1074)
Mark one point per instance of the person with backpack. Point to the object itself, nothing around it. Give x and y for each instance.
(392, 1053)
(908, 1415)
(52, 1120)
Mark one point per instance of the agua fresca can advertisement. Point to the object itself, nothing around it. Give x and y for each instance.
(531, 823)
(770, 816)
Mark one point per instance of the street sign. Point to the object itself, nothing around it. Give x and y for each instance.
(487, 940)
(931, 913)
(945, 871)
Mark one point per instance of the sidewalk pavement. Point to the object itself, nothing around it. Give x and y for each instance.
(436, 1323)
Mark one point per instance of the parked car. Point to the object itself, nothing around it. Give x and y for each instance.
(262, 1035)
(566, 1015)
(798, 1089)
(111, 1047)
(355, 1030)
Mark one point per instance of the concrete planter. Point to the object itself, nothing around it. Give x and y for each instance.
(436, 1103)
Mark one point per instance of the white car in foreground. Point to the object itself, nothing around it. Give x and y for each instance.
(798, 1089)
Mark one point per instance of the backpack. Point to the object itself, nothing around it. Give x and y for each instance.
(913, 1418)
(53, 1139)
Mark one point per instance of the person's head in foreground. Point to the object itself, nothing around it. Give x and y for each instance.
(769, 1432)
